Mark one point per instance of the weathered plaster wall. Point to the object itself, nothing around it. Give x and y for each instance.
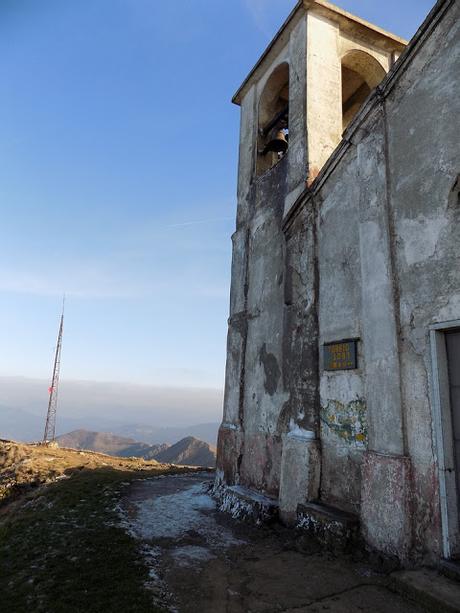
(230, 441)
(298, 146)
(339, 257)
(324, 95)
(343, 439)
(401, 170)
(343, 407)
(424, 162)
(370, 252)
(263, 399)
(327, 43)
(299, 418)
(263, 391)
(300, 329)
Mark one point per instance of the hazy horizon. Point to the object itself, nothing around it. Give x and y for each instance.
(113, 402)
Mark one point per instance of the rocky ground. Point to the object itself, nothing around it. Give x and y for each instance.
(83, 532)
(202, 561)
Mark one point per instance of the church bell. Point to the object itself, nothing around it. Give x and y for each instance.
(277, 144)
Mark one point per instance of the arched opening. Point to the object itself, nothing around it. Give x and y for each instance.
(361, 73)
(273, 119)
(454, 196)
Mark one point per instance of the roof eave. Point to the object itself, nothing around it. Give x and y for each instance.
(237, 97)
(332, 10)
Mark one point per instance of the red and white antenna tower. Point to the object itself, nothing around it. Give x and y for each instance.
(50, 427)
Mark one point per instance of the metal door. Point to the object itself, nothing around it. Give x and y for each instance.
(453, 361)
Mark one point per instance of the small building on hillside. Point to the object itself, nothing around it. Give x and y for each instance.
(342, 395)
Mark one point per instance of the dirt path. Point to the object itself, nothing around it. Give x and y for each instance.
(202, 561)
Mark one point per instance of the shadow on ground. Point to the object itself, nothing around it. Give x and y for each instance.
(202, 561)
(62, 548)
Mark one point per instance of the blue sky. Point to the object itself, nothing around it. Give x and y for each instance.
(118, 154)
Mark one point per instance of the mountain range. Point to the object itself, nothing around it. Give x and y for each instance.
(188, 451)
(106, 406)
(156, 435)
(21, 425)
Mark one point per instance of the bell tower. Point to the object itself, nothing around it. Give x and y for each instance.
(296, 105)
(307, 87)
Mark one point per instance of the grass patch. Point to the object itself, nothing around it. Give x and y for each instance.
(62, 551)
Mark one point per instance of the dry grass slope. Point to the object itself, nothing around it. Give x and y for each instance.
(61, 548)
(23, 466)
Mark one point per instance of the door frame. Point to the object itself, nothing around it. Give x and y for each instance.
(443, 438)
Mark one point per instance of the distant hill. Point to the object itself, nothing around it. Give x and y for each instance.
(190, 451)
(154, 435)
(103, 442)
(139, 450)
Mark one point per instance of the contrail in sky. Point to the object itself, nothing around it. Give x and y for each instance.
(198, 221)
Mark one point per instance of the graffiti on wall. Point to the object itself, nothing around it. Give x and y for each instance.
(347, 420)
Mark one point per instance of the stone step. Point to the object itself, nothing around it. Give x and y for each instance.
(243, 503)
(332, 527)
(450, 568)
(433, 591)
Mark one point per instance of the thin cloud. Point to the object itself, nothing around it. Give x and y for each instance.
(107, 286)
(42, 286)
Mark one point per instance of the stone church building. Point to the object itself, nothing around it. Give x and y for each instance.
(342, 397)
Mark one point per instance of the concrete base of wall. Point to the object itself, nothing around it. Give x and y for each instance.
(229, 444)
(243, 503)
(333, 528)
(451, 569)
(428, 588)
(385, 503)
(300, 474)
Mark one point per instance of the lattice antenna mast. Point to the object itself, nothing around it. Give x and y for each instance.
(50, 427)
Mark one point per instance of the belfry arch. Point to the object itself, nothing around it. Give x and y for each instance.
(273, 119)
(361, 73)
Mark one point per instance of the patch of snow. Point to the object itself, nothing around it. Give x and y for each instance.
(188, 512)
(151, 555)
(229, 426)
(124, 521)
(295, 431)
(174, 515)
(62, 477)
